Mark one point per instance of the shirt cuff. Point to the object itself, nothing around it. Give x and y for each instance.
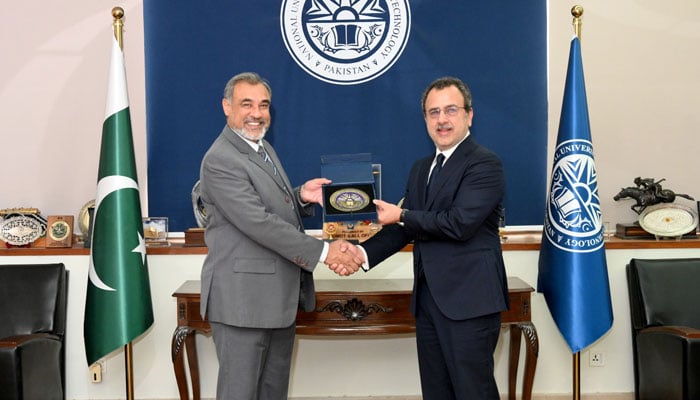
(365, 264)
(324, 252)
(301, 202)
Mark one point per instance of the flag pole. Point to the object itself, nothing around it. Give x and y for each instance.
(128, 362)
(577, 12)
(577, 376)
(118, 26)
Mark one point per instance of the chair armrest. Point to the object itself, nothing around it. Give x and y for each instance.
(18, 340)
(32, 365)
(682, 331)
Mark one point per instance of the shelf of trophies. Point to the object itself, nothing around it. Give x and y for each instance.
(24, 231)
(513, 239)
(622, 236)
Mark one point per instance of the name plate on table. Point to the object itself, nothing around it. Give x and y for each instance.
(348, 211)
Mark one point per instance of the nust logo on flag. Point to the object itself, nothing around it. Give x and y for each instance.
(345, 42)
(573, 220)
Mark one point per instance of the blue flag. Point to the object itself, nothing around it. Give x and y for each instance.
(573, 273)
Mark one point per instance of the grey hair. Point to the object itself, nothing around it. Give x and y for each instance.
(447, 81)
(248, 77)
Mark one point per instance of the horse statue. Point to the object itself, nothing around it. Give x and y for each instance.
(647, 193)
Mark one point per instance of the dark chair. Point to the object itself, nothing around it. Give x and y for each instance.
(32, 328)
(664, 299)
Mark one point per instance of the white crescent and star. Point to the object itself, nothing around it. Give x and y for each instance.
(106, 186)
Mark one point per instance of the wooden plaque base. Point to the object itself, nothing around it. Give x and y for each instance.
(356, 232)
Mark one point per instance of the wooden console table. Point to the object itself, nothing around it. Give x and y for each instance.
(352, 307)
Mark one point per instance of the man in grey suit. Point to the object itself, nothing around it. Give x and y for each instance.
(258, 271)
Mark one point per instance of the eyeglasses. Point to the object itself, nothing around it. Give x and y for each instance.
(450, 111)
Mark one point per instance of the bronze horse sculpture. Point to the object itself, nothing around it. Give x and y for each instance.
(647, 193)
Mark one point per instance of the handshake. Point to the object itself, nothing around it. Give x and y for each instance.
(344, 258)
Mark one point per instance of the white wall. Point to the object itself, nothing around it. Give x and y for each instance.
(53, 85)
(640, 66)
(640, 61)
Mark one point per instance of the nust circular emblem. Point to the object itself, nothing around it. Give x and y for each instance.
(349, 200)
(573, 220)
(345, 42)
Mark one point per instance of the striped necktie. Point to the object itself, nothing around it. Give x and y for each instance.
(262, 153)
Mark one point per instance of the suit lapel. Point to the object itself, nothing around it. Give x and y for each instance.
(240, 144)
(451, 166)
(422, 178)
(282, 180)
(281, 177)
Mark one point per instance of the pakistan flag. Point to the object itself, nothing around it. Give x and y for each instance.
(118, 307)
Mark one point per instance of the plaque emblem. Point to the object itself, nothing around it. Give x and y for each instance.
(59, 230)
(349, 199)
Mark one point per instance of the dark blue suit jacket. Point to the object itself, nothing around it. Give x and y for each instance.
(454, 231)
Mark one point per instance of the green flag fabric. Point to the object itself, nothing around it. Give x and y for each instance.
(118, 308)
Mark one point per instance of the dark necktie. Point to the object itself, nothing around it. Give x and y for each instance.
(262, 153)
(433, 175)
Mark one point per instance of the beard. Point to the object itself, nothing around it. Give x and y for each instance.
(245, 133)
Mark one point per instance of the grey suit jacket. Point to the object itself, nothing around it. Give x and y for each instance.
(258, 270)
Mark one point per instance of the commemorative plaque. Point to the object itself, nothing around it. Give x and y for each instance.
(348, 211)
(59, 231)
(155, 231)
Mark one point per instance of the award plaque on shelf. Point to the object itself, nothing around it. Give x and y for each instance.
(59, 231)
(155, 231)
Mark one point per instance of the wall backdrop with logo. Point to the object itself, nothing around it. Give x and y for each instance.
(347, 77)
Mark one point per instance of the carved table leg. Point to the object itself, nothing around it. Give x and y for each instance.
(513, 359)
(528, 331)
(179, 337)
(191, 346)
(532, 347)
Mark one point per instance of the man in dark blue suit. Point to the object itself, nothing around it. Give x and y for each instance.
(451, 211)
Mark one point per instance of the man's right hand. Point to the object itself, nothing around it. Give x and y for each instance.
(343, 257)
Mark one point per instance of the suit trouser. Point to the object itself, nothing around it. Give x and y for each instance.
(253, 363)
(455, 357)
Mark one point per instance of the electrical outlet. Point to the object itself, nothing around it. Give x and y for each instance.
(96, 372)
(596, 359)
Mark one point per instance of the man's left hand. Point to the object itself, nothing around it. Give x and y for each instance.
(312, 192)
(387, 213)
